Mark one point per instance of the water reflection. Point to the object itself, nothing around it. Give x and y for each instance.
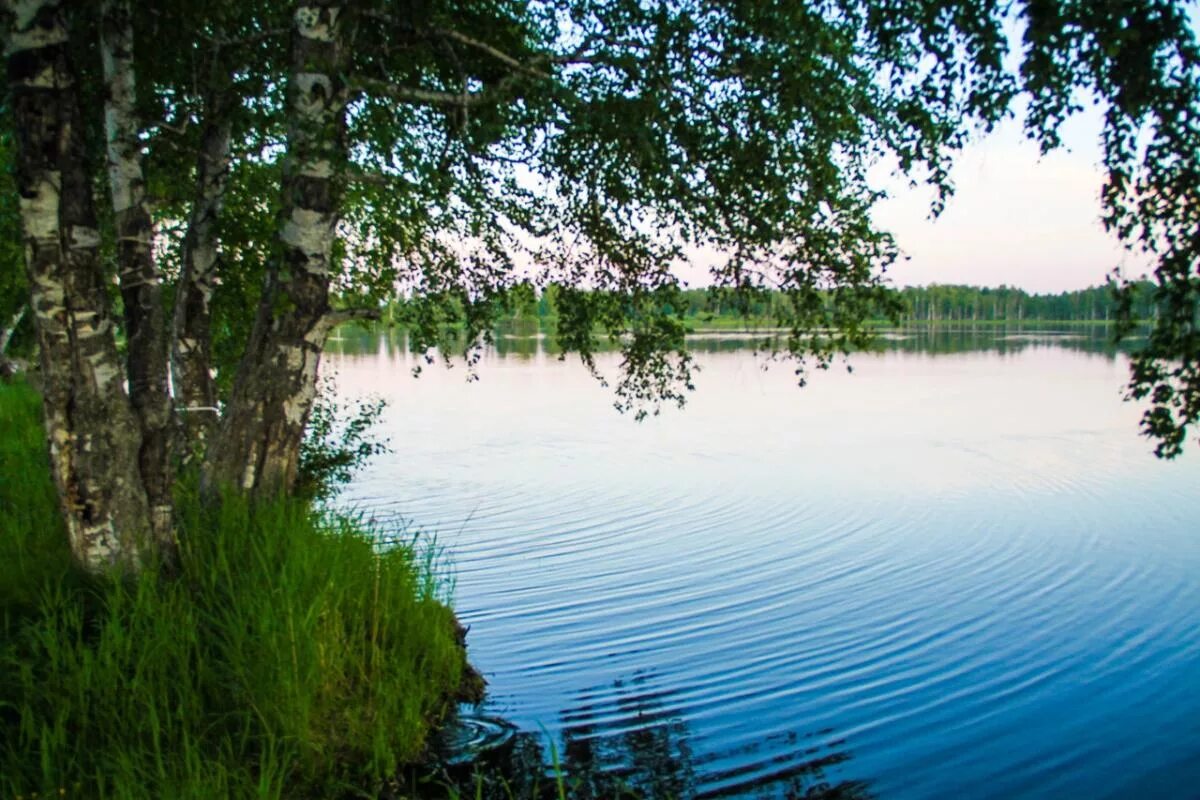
(628, 736)
(629, 740)
(926, 339)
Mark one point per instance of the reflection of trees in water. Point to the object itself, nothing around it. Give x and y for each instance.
(626, 738)
(929, 339)
(796, 770)
(627, 741)
(1002, 339)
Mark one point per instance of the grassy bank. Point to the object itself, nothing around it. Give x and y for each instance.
(292, 657)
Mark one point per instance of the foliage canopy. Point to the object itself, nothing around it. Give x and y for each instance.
(599, 144)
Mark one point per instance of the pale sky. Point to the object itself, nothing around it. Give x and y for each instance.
(1016, 217)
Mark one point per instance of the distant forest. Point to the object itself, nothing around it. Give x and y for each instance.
(952, 302)
(955, 303)
(937, 303)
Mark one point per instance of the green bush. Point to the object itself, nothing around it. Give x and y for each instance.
(291, 656)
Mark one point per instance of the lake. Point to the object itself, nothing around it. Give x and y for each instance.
(956, 572)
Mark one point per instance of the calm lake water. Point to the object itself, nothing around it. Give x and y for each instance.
(956, 572)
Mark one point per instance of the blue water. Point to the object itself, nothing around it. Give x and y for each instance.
(943, 575)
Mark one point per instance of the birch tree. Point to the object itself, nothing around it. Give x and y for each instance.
(191, 328)
(139, 276)
(261, 432)
(94, 437)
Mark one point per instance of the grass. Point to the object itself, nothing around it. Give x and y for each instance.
(291, 657)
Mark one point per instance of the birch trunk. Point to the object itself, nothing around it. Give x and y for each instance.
(93, 435)
(141, 289)
(191, 338)
(258, 448)
(7, 367)
(7, 334)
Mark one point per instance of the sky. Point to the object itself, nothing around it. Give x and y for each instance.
(1017, 217)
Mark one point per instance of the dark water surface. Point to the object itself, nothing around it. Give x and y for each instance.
(957, 572)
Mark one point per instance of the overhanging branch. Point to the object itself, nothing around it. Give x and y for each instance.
(516, 64)
(422, 97)
(336, 317)
(413, 95)
(527, 68)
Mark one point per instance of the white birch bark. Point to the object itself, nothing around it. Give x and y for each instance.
(7, 334)
(8, 367)
(263, 426)
(140, 284)
(191, 330)
(93, 437)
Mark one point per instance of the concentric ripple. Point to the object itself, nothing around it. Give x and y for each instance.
(960, 575)
(470, 736)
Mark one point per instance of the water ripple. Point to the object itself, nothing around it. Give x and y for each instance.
(963, 612)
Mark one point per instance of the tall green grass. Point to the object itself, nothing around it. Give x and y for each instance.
(290, 657)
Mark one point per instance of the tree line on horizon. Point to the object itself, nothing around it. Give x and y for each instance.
(961, 302)
(933, 303)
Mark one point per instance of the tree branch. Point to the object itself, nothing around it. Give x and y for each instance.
(251, 38)
(499, 55)
(336, 317)
(428, 97)
(368, 178)
(477, 44)
(7, 333)
(408, 94)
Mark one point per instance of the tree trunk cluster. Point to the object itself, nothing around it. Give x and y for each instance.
(118, 426)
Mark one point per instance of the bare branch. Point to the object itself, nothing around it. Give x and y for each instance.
(499, 55)
(331, 319)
